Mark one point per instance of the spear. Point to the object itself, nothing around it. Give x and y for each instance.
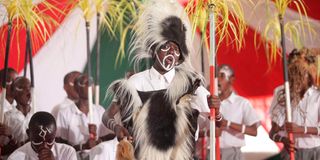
(286, 80)
(214, 144)
(4, 80)
(97, 79)
(29, 52)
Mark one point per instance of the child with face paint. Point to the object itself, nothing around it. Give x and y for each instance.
(17, 119)
(9, 101)
(72, 95)
(235, 116)
(42, 146)
(73, 121)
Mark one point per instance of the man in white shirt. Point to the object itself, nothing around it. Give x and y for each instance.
(9, 100)
(42, 145)
(73, 122)
(236, 116)
(16, 120)
(305, 100)
(72, 95)
(159, 107)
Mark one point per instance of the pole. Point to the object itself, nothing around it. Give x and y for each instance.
(97, 79)
(29, 51)
(213, 86)
(89, 71)
(286, 80)
(4, 80)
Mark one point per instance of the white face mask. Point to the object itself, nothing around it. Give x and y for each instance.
(163, 64)
(227, 72)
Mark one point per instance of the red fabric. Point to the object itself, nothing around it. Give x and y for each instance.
(18, 36)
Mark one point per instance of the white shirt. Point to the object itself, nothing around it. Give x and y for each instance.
(151, 80)
(17, 123)
(72, 124)
(66, 102)
(239, 110)
(306, 113)
(60, 152)
(7, 106)
(278, 112)
(105, 150)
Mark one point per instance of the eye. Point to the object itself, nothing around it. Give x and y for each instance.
(165, 48)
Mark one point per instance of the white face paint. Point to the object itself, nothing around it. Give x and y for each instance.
(163, 64)
(43, 134)
(227, 72)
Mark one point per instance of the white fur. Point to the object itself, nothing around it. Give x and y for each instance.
(147, 30)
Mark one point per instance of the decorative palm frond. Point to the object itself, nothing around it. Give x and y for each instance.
(295, 30)
(23, 13)
(126, 15)
(230, 24)
(87, 8)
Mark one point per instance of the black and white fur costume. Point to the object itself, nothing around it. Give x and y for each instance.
(162, 122)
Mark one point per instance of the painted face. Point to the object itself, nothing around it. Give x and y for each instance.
(10, 78)
(42, 137)
(224, 82)
(82, 86)
(22, 91)
(69, 87)
(168, 55)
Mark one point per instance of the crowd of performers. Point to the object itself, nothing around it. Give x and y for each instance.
(161, 112)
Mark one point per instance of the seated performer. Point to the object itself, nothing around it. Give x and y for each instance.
(159, 107)
(9, 100)
(236, 116)
(72, 95)
(74, 125)
(42, 145)
(305, 103)
(16, 120)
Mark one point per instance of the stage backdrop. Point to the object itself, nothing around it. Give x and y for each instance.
(65, 51)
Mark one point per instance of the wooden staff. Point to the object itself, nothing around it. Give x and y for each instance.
(97, 79)
(286, 80)
(4, 80)
(214, 144)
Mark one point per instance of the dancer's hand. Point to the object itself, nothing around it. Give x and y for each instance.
(214, 101)
(282, 98)
(4, 130)
(292, 128)
(288, 145)
(122, 132)
(45, 153)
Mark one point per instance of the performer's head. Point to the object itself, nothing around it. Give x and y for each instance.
(11, 76)
(163, 33)
(21, 89)
(69, 85)
(81, 85)
(225, 78)
(42, 131)
(302, 70)
(167, 56)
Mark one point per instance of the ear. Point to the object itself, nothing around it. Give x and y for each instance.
(232, 80)
(28, 132)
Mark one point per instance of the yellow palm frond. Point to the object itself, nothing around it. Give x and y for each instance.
(87, 8)
(23, 14)
(229, 16)
(295, 30)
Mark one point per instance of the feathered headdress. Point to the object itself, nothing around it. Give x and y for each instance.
(161, 21)
(302, 65)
